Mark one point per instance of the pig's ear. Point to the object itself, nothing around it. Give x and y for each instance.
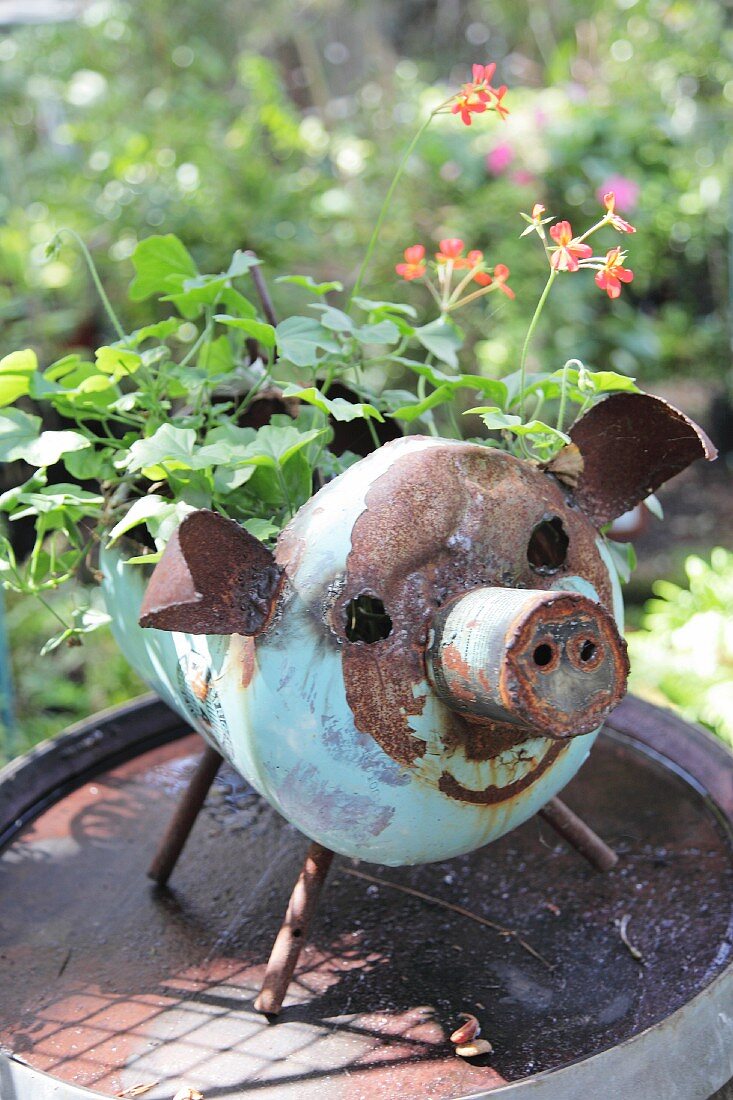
(631, 443)
(213, 578)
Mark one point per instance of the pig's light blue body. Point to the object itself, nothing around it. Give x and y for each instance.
(276, 708)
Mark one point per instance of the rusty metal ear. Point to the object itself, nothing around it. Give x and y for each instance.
(213, 578)
(631, 443)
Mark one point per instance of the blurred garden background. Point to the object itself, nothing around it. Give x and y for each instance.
(277, 127)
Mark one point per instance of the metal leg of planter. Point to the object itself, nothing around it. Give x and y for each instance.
(294, 929)
(579, 835)
(185, 816)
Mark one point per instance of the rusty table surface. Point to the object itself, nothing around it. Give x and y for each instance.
(110, 983)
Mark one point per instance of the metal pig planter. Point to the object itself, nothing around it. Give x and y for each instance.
(427, 656)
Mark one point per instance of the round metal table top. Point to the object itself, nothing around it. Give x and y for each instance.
(615, 985)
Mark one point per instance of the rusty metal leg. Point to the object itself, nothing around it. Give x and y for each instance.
(579, 835)
(291, 937)
(185, 816)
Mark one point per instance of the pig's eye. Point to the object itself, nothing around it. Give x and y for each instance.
(367, 619)
(548, 544)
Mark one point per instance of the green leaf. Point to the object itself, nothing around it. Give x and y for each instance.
(262, 529)
(299, 339)
(227, 480)
(216, 358)
(139, 512)
(162, 265)
(89, 463)
(117, 362)
(145, 559)
(383, 332)
(18, 430)
(307, 283)
(161, 330)
(263, 333)
(237, 303)
(67, 502)
(168, 444)
(83, 621)
(608, 381)
(241, 264)
(75, 386)
(623, 557)
(334, 319)
(441, 396)
(539, 428)
(339, 408)
(16, 372)
(495, 419)
(385, 307)
(162, 525)
(275, 445)
(10, 498)
(442, 338)
(50, 446)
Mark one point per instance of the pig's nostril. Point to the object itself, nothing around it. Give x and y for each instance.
(587, 650)
(367, 619)
(542, 655)
(548, 544)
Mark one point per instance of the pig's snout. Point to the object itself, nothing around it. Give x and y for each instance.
(552, 661)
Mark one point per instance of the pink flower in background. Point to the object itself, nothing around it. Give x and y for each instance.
(499, 159)
(523, 178)
(625, 190)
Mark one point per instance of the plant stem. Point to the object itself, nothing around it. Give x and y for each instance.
(528, 339)
(95, 279)
(564, 392)
(386, 204)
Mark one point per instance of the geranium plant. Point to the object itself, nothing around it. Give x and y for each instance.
(164, 419)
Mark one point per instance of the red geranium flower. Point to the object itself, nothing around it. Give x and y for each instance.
(612, 274)
(568, 249)
(452, 249)
(476, 97)
(413, 268)
(501, 274)
(609, 201)
(498, 106)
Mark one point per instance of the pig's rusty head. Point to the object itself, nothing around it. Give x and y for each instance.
(463, 588)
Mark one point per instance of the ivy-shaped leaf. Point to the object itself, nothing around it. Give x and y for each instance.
(142, 509)
(18, 430)
(338, 407)
(443, 339)
(263, 333)
(16, 372)
(300, 339)
(307, 283)
(162, 265)
(441, 396)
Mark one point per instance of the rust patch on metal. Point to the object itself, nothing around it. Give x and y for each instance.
(437, 524)
(214, 578)
(484, 739)
(242, 655)
(631, 443)
(199, 683)
(492, 794)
